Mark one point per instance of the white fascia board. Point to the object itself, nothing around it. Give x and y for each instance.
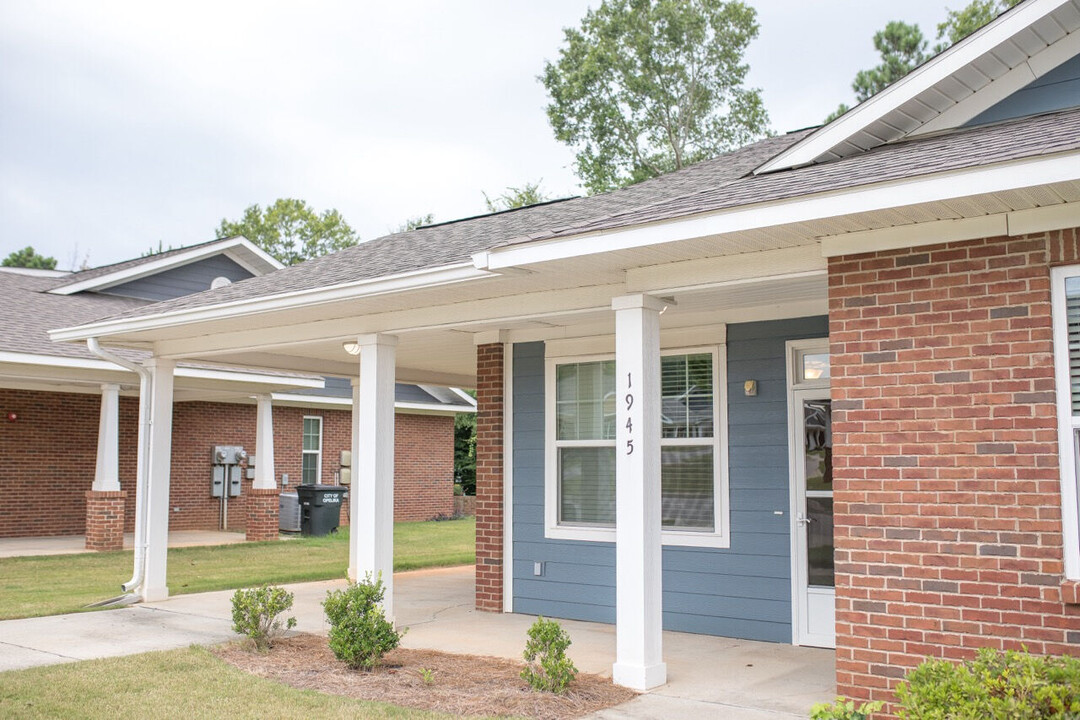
(57, 361)
(1012, 224)
(152, 267)
(918, 80)
(1028, 172)
(341, 403)
(232, 376)
(415, 280)
(241, 376)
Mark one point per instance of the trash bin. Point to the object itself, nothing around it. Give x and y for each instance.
(320, 508)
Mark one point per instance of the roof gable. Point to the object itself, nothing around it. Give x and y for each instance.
(1020, 46)
(237, 249)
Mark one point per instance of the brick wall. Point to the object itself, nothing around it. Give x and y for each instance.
(489, 477)
(47, 460)
(948, 520)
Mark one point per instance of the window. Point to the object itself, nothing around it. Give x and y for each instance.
(580, 498)
(311, 461)
(1066, 310)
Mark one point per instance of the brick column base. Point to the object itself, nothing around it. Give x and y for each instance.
(262, 519)
(489, 477)
(105, 519)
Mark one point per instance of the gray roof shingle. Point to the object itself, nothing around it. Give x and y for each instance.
(723, 182)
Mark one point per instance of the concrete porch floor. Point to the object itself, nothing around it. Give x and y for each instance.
(708, 677)
(72, 544)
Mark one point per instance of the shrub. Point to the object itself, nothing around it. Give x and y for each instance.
(1012, 685)
(359, 632)
(844, 709)
(255, 613)
(549, 669)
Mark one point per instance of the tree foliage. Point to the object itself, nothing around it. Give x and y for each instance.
(516, 197)
(902, 47)
(27, 258)
(292, 231)
(959, 24)
(645, 87)
(415, 222)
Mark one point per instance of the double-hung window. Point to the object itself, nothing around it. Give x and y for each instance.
(581, 487)
(1066, 313)
(311, 460)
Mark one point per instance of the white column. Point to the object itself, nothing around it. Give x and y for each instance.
(107, 473)
(264, 445)
(159, 461)
(371, 535)
(638, 623)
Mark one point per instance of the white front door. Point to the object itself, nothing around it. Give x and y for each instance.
(813, 587)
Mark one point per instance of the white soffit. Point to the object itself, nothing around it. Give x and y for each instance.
(951, 88)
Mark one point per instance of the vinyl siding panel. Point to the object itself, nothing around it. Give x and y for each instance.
(177, 282)
(743, 591)
(1056, 90)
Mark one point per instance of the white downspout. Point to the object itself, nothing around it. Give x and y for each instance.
(141, 468)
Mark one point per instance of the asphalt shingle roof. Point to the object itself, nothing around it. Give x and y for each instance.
(28, 312)
(720, 183)
(455, 242)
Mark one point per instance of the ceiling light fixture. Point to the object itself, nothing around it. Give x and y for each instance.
(351, 346)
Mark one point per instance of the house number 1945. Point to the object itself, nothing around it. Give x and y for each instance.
(629, 422)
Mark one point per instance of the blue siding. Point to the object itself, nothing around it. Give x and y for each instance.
(185, 280)
(743, 591)
(1056, 90)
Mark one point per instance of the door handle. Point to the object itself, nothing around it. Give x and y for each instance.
(803, 519)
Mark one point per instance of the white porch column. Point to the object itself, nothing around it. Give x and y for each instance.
(159, 462)
(638, 623)
(107, 473)
(265, 478)
(371, 532)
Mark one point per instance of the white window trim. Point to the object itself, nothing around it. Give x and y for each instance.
(1067, 423)
(721, 537)
(318, 453)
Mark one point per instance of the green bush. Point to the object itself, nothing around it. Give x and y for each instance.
(844, 709)
(995, 685)
(359, 632)
(255, 613)
(549, 670)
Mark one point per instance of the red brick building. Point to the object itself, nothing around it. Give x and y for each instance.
(834, 374)
(51, 397)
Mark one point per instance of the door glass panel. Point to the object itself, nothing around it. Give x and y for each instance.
(817, 426)
(819, 541)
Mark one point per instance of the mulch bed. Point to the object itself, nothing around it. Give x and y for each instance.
(459, 684)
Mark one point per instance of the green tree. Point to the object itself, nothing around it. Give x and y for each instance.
(292, 231)
(415, 222)
(514, 197)
(961, 23)
(27, 258)
(645, 87)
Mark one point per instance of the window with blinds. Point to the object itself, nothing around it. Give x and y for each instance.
(311, 459)
(585, 443)
(1072, 320)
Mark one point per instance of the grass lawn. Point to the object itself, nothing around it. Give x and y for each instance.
(189, 683)
(54, 584)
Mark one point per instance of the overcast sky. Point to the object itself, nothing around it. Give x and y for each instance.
(126, 124)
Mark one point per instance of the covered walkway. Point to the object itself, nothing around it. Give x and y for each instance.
(707, 676)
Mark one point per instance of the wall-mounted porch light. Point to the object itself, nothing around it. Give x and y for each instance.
(351, 346)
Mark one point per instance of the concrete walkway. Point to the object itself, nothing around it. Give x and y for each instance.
(708, 677)
(72, 544)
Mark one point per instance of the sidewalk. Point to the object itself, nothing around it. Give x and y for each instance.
(708, 676)
(72, 544)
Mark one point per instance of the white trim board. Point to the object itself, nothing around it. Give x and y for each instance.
(229, 247)
(1020, 222)
(964, 182)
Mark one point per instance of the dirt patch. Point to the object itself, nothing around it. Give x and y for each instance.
(425, 679)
